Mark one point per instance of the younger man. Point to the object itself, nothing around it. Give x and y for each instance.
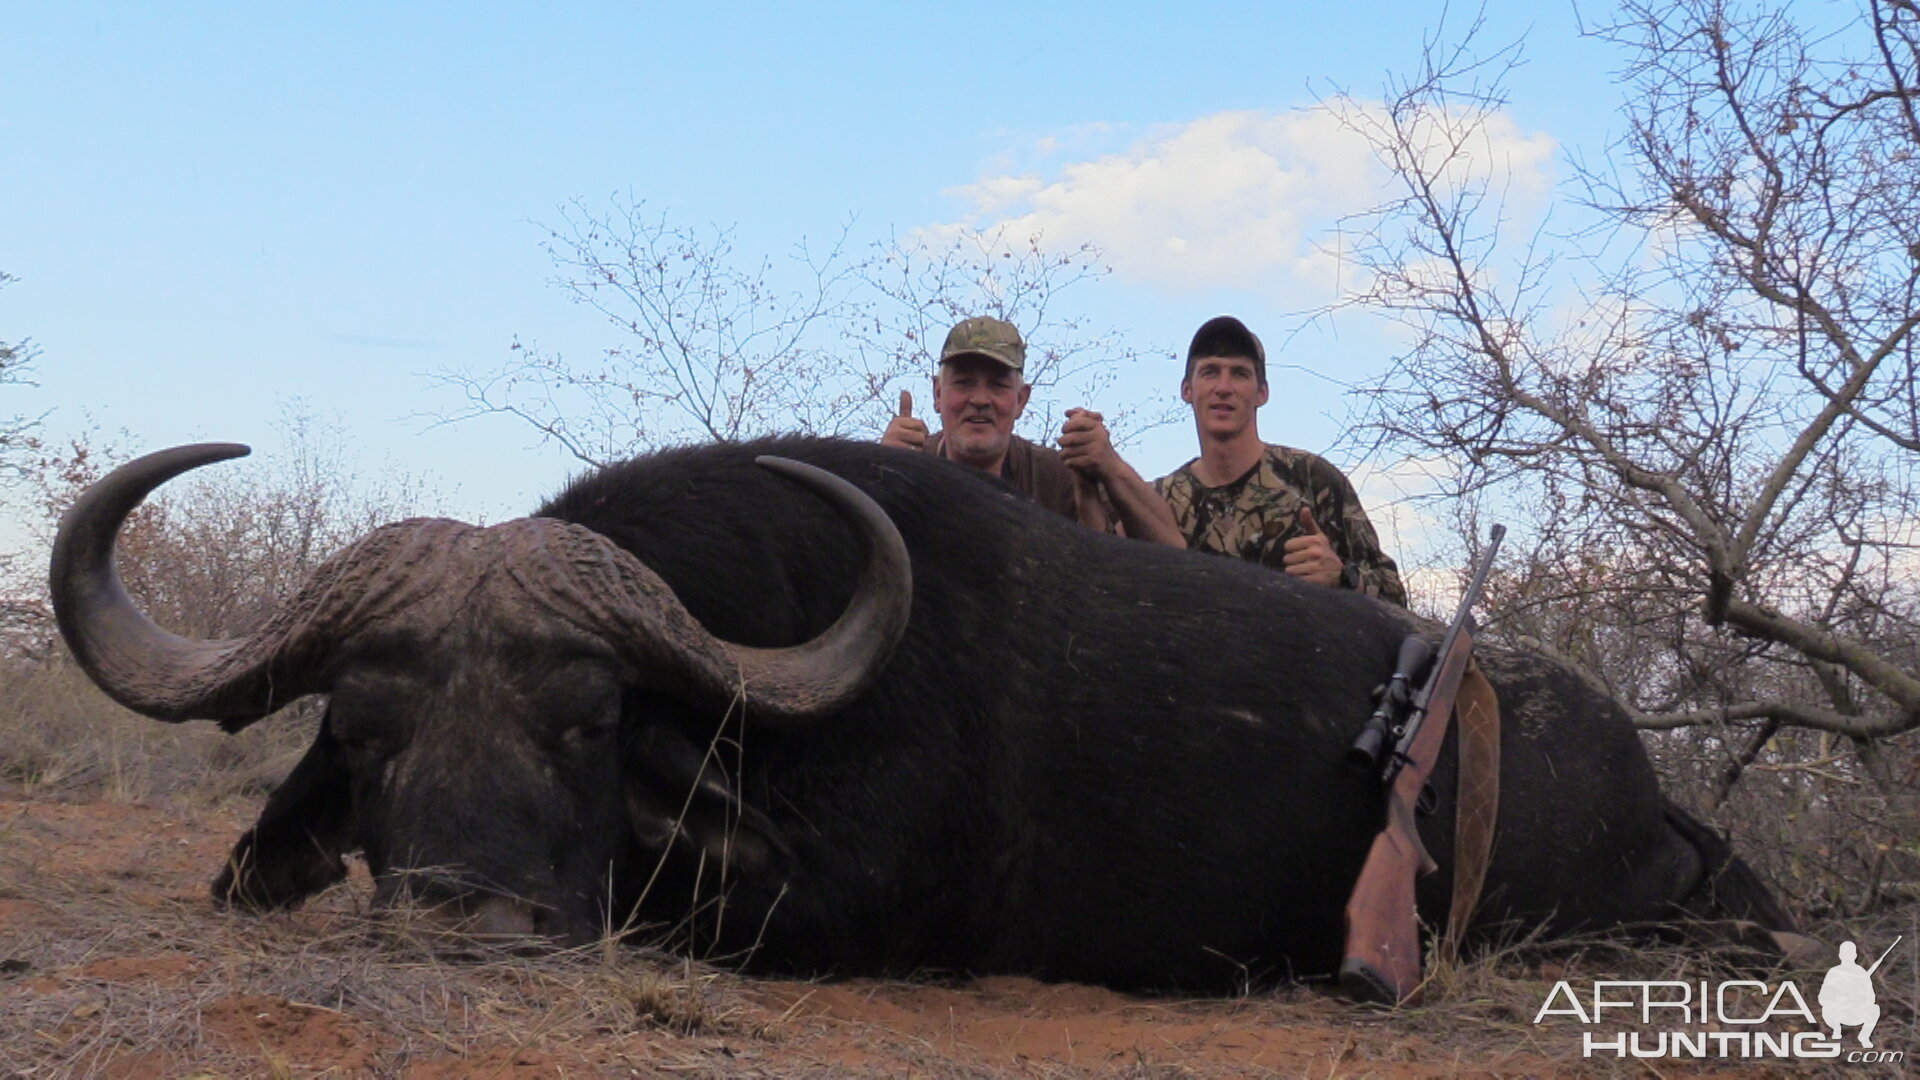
(1283, 508)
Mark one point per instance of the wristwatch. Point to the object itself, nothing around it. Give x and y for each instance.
(1350, 576)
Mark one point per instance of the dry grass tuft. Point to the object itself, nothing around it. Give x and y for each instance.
(103, 981)
(60, 736)
(1492, 996)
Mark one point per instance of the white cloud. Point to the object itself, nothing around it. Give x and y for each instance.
(1396, 495)
(1000, 193)
(1244, 199)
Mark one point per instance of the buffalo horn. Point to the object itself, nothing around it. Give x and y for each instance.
(138, 664)
(821, 675)
(168, 677)
(582, 577)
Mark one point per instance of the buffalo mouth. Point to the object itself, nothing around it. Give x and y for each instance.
(452, 915)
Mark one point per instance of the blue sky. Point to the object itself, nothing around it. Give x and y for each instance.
(214, 209)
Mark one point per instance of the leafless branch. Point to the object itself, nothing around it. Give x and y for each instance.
(713, 346)
(1699, 400)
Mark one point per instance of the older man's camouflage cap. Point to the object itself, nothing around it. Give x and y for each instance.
(1225, 335)
(984, 335)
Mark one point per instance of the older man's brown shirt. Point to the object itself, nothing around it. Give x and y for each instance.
(1035, 471)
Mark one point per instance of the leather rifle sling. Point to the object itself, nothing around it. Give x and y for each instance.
(1476, 713)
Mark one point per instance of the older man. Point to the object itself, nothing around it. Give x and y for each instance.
(980, 391)
(1284, 508)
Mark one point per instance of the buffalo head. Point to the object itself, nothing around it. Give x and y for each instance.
(484, 685)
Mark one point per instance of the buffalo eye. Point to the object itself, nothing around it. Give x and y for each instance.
(362, 744)
(589, 733)
(361, 717)
(581, 704)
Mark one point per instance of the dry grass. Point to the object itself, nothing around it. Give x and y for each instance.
(60, 736)
(113, 963)
(1494, 996)
(118, 966)
(318, 989)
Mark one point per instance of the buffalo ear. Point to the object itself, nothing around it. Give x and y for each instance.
(677, 795)
(297, 847)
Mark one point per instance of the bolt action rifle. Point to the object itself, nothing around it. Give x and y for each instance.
(1382, 958)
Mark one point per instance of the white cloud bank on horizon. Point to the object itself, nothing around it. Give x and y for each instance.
(1244, 199)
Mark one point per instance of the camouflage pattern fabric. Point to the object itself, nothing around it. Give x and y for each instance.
(1253, 517)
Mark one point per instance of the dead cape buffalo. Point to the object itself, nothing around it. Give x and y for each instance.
(698, 693)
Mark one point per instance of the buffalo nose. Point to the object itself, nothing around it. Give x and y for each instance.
(500, 917)
(445, 906)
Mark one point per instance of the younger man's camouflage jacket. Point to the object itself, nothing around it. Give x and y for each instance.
(1254, 517)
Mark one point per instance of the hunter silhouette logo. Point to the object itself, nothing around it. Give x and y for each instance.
(1734, 1019)
(1846, 994)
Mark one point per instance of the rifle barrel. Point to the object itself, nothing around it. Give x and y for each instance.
(1883, 956)
(1462, 613)
(1462, 619)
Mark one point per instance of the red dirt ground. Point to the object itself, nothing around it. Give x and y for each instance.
(113, 962)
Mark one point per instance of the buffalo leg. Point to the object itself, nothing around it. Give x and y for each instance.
(296, 848)
(1725, 886)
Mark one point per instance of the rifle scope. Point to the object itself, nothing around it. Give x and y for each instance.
(1415, 653)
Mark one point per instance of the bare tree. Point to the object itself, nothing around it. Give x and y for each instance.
(1694, 387)
(1717, 395)
(716, 347)
(925, 285)
(17, 441)
(711, 349)
(212, 555)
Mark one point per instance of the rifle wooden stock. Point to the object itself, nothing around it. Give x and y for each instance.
(1382, 961)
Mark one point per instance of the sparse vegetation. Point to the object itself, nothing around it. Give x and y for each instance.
(18, 429)
(209, 560)
(712, 346)
(1691, 394)
(112, 963)
(1715, 461)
